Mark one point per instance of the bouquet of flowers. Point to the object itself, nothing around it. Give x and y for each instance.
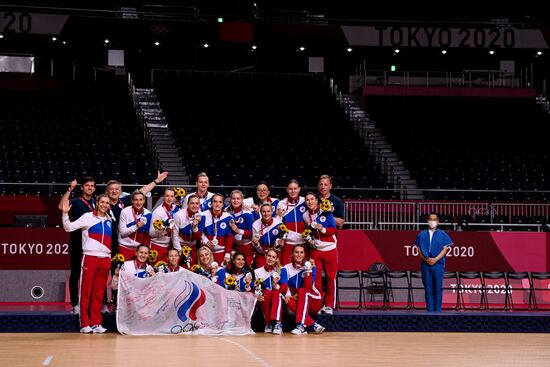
(179, 193)
(153, 256)
(161, 267)
(258, 286)
(306, 235)
(230, 282)
(118, 259)
(326, 206)
(197, 269)
(283, 231)
(186, 253)
(158, 225)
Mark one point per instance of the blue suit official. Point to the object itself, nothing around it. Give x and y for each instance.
(433, 245)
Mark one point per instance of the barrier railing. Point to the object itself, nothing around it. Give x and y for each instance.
(407, 215)
(364, 214)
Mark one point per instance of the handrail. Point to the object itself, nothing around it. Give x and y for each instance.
(250, 74)
(463, 78)
(456, 226)
(340, 189)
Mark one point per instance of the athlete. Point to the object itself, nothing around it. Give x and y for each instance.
(96, 261)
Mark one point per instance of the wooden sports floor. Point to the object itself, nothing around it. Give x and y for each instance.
(329, 349)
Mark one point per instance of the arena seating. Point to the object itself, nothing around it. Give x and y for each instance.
(465, 143)
(242, 128)
(62, 134)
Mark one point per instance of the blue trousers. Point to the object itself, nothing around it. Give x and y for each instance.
(432, 278)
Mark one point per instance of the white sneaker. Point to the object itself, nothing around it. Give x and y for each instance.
(86, 330)
(299, 330)
(327, 310)
(268, 329)
(278, 329)
(318, 328)
(76, 310)
(98, 329)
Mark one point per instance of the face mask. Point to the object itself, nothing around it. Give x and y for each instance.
(432, 224)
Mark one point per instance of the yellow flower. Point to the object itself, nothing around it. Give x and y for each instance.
(283, 228)
(306, 233)
(326, 206)
(179, 192)
(258, 282)
(153, 255)
(160, 263)
(158, 224)
(195, 268)
(186, 250)
(230, 281)
(118, 258)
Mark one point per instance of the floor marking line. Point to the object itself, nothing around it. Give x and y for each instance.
(248, 351)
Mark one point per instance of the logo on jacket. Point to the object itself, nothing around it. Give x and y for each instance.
(223, 225)
(189, 301)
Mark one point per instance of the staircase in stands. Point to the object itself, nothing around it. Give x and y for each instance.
(374, 139)
(159, 135)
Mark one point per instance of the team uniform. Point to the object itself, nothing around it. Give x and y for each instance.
(309, 299)
(96, 263)
(250, 201)
(183, 234)
(134, 268)
(272, 306)
(268, 233)
(161, 240)
(129, 235)
(114, 213)
(243, 238)
(294, 221)
(324, 252)
(240, 284)
(431, 244)
(217, 229)
(205, 200)
(176, 269)
(219, 278)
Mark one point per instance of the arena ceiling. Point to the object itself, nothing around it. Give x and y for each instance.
(333, 11)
